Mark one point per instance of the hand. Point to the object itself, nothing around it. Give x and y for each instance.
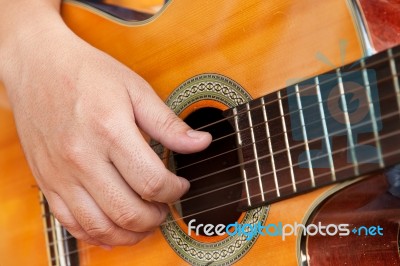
(78, 113)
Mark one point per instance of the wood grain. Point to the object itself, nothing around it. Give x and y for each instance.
(22, 240)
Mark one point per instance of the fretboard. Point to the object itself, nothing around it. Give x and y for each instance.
(330, 128)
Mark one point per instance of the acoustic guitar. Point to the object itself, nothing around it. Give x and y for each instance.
(303, 101)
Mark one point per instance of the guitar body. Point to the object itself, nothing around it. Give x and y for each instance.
(362, 205)
(259, 46)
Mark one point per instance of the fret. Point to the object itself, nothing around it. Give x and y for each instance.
(253, 140)
(47, 230)
(347, 121)
(271, 152)
(278, 142)
(246, 185)
(60, 243)
(372, 114)
(239, 143)
(303, 127)
(393, 71)
(53, 233)
(287, 142)
(325, 128)
(387, 104)
(236, 119)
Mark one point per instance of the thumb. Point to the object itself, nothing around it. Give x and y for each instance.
(161, 123)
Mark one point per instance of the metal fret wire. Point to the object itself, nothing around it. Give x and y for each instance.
(277, 135)
(255, 152)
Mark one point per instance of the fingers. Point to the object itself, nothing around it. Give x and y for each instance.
(65, 217)
(156, 119)
(92, 220)
(120, 203)
(142, 169)
(109, 212)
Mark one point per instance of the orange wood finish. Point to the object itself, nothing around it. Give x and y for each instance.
(22, 240)
(261, 47)
(259, 44)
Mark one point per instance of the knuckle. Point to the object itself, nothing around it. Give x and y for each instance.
(129, 219)
(153, 186)
(167, 122)
(78, 233)
(73, 152)
(105, 233)
(106, 128)
(68, 223)
(71, 226)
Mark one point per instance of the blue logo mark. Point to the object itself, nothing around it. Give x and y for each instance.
(329, 114)
(368, 231)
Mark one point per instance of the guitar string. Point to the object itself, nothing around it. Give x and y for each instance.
(384, 60)
(372, 159)
(284, 150)
(171, 155)
(262, 124)
(213, 208)
(280, 117)
(282, 168)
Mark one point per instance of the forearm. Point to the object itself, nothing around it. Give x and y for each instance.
(21, 21)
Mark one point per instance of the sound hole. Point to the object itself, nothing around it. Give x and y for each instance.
(215, 192)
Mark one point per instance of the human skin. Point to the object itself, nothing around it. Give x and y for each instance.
(79, 115)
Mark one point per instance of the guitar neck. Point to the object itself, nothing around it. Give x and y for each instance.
(326, 129)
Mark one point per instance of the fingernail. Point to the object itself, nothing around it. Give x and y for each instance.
(194, 134)
(106, 247)
(185, 184)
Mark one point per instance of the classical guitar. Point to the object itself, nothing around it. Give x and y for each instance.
(303, 101)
